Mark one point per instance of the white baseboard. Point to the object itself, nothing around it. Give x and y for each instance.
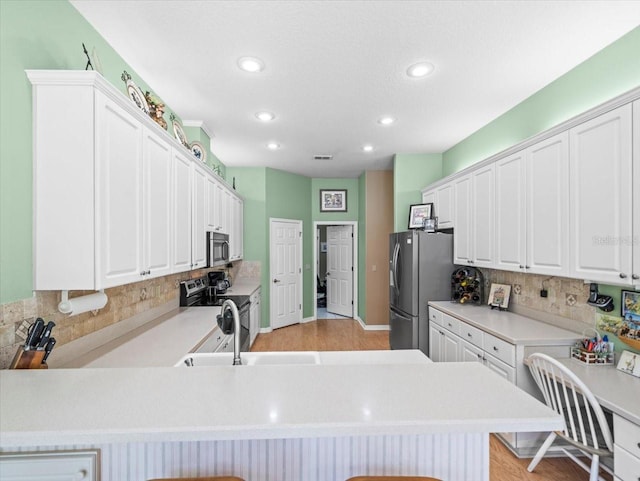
(265, 330)
(308, 319)
(374, 327)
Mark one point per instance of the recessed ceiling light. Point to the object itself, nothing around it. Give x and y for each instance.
(420, 69)
(265, 116)
(367, 148)
(273, 145)
(386, 120)
(251, 64)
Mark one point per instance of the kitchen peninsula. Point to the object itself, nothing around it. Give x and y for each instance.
(396, 414)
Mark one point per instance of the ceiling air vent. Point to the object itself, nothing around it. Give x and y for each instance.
(323, 157)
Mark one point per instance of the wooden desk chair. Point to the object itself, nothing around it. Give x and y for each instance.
(210, 478)
(586, 427)
(392, 478)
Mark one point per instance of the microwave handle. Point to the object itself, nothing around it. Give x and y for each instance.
(228, 249)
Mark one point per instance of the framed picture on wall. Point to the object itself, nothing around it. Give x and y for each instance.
(333, 200)
(323, 247)
(417, 215)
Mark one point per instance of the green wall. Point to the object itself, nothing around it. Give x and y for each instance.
(45, 34)
(411, 174)
(610, 72)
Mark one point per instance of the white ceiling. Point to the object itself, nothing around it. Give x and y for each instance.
(334, 67)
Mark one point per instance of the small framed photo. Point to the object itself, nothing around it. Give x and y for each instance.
(323, 247)
(499, 296)
(630, 305)
(629, 362)
(418, 213)
(333, 200)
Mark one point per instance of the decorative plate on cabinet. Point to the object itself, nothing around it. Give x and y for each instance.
(178, 131)
(135, 94)
(198, 151)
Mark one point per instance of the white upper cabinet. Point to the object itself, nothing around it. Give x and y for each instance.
(601, 189)
(443, 200)
(236, 240)
(156, 175)
(473, 239)
(510, 212)
(462, 240)
(181, 212)
(636, 193)
(199, 219)
(118, 164)
(532, 200)
(547, 200)
(483, 215)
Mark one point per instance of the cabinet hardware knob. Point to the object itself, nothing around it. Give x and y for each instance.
(470, 261)
(521, 266)
(495, 348)
(623, 275)
(635, 277)
(142, 273)
(469, 334)
(527, 267)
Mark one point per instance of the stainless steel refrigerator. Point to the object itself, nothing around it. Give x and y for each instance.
(420, 266)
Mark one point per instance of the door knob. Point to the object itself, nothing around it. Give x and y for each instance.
(328, 273)
(275, 281)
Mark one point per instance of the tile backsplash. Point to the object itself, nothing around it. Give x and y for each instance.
(565, 304)
(124, 302)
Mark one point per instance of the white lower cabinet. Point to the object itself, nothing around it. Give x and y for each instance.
(255, 316)
(626, 449)
(454, 340)
(50, 466)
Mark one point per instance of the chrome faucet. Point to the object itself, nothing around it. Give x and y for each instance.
(224, 325)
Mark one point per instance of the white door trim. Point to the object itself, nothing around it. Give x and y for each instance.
(354, 225)
(300, 257)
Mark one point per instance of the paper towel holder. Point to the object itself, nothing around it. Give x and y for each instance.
(78, 305)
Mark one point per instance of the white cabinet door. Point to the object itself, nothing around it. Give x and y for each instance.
(237, 230)
(462, 241)
(500, 368)
(119, 194)
(157, 203)
(469, 352)
(482, 221)
(226, 208)
(198, 219)
(510, 213)
(601, 195)
(450, 347)
(548, 206)
(212, 212)
(51, 466)
(445, 202)
(636, 193)
(435, 343)
(181, 214)
(255, 315)
(429, 198)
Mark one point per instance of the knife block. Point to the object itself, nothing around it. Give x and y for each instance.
(28, 360)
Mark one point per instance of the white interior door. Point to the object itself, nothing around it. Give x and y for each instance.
(340, 270)
(286, 272)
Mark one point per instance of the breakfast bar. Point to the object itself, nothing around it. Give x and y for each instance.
(341, 417)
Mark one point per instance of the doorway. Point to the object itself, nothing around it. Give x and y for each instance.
(336, 269)
(285, 272)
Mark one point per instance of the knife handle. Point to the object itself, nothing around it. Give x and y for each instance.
(49, 348)
(46, 335)
(34, 333)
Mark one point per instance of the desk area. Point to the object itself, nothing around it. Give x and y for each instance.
(619, 393)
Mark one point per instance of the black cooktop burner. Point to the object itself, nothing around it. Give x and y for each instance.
(240, 301)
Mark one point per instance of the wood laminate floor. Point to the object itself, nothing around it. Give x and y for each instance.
(347, 335)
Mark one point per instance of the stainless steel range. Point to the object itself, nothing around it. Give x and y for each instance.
(210, 292)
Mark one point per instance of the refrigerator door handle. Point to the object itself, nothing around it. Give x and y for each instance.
(396, 253)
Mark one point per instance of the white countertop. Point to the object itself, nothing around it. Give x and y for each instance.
(513, 328)
(243, 286)
(158, 344)
(89, 406)
(616, 391)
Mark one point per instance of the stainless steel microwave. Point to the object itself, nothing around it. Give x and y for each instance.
(217, 249)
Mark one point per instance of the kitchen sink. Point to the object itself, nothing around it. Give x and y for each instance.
(249, 358)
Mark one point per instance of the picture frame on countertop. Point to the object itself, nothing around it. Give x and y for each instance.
(333, 200)
(629, 363)
(418, 213)
(499, 296)
(630, 305)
